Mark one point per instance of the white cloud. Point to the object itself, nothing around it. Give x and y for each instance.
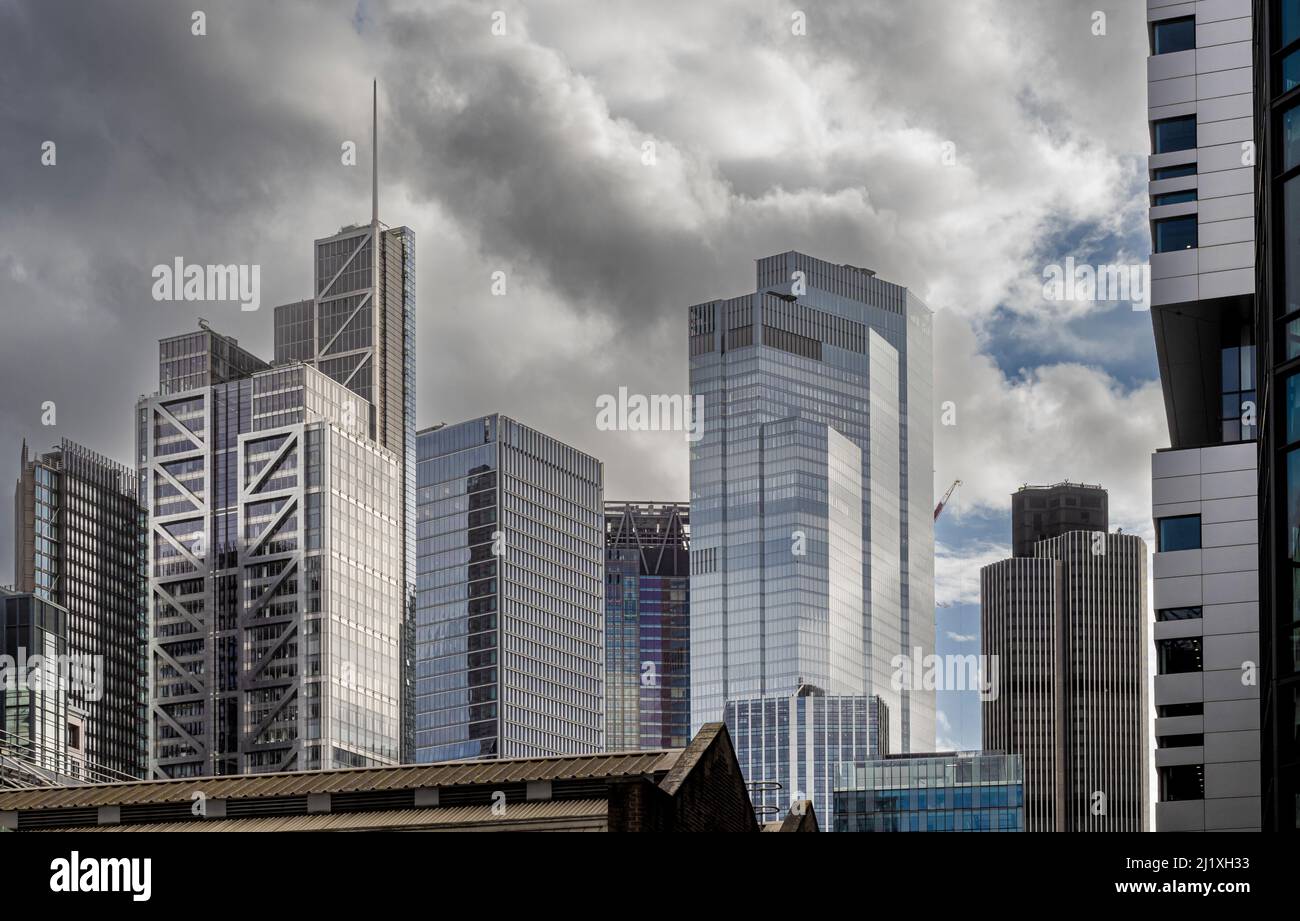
(957, 570)
(523, 153)
(1050, 423)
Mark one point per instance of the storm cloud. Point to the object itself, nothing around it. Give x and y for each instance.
(617, 161)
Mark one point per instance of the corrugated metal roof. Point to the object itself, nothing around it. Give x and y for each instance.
(447, 774)
(592, 814)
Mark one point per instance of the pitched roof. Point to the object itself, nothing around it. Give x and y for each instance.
(346, 780)
(591, 814)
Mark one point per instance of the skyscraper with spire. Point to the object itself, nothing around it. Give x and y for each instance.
(358, 328)
(280, 504)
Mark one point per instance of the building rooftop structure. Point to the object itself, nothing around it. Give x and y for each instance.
(698, 788)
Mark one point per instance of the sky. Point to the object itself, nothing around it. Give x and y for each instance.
(618, 162)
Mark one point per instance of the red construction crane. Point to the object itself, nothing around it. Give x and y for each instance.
(944, 501)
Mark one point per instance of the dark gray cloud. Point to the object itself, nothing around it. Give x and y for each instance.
(523, 153)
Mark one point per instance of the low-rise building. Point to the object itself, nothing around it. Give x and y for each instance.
(698, 788)
(945, 791)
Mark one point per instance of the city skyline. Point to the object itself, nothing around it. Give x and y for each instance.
(556, 415)
(464, 273)
(571, 285)
(966, 205)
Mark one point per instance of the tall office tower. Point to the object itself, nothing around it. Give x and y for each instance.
(275, 582)
(1040, 512)
(647, 626)
(812, 497)
(1068, 630)
(1021, 613)
(1203, 489)
(78, 543)
(1277, 123)
(39, 723)
(510, 641)
(358, 328)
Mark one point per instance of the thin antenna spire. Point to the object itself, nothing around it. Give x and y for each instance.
(374, 154)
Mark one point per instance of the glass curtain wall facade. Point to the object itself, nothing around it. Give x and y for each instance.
(202, 359)
(647, 626)
(509, 651)
(812, 492)
(37, 719)
(790, 748)
(1277, 125)
(78, 544)
(359, 329)
(949, 791)
(276, 593)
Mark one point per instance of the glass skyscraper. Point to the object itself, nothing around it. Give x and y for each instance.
(812, 495)
(38, 722)
(1277, 328)
(647, 626)
(509, 639)
(945, 791)
(790, 747)
(276, 594)
(78, 543)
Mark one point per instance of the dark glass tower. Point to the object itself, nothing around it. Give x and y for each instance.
(647, 626)
(1277, 125)
(1040, 512)
(78, 543)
